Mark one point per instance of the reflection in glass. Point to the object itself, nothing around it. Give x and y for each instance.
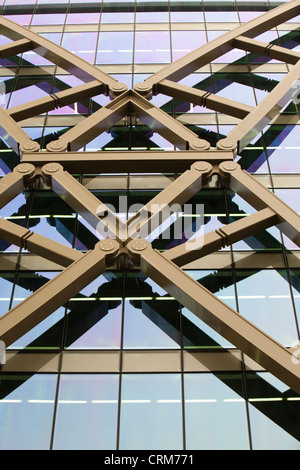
(95, 315)
(151, 409)
(26, 411)
(196, 333)
(274, 413)
(86, 417)
(265, 300)
(215, 412)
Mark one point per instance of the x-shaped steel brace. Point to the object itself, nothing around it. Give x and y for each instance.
(164, 268)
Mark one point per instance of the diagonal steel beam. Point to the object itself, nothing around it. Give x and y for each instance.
(255, 343)
(127, 104)
(39, 305)
(260, 197)
(224, 236)
(97, 214)
(204, 98)
(216, 48)
(169, 200)
(61, 57)
(260, 117)
(57, 100)
(14, 136)
(271, 50)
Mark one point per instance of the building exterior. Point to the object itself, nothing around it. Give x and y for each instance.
(135, 348)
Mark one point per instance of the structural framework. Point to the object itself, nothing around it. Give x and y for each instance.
(194, 160)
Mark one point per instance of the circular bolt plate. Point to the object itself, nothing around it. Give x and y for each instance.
(200, 144)
(229, 166)
(139, 245)
(25, 168)
(202, 166)
(52, 167)
(107, 245)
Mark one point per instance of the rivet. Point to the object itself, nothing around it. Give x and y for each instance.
(201, 166)
(199, 143)
(56, 145)
(229, 166)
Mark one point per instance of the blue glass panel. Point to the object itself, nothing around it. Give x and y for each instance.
(283, 148)
(152, 47)
(26, 411)
(196, 333)
(215, 412)
(81, 44)
(184, 42)
(264, 299)
(115, 47)
(6, 285)
(151, 403)
(274, 413)
(87, 410)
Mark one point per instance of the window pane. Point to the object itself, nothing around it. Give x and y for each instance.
(87, 410)
(215, 412)
(26, 411)
(152, 403)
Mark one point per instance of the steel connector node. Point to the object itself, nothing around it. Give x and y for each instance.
(111, 249)
(29, 146)
(49, 169)
(199, 144)
(56, 146)
(28, 171)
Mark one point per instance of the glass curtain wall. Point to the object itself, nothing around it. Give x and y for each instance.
(123, 365)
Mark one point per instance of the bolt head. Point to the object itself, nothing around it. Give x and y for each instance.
(226, 144)
(139, 245)
(229, 166)
(107, 245)
(31, 146)
(202, 166)
(56, 145)
(52, 167)
(25, 168)
(200, 143)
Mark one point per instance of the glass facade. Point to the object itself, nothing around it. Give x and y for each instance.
(123, 365)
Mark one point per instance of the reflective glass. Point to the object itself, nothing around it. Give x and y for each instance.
(94, 317)
(48, 333)
(215, 412)
(6, 285)
(82, 44)
(115, 48)
(149, 309)
(283, 146)
(151, 408)
(184, 42)
(274, 410)
(196, 333)
(152, 47)
(26, 411)
(264, 298)
(87, 409)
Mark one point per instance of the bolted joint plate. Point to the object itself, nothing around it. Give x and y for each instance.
(111, 249)
(28, 171)
(136, 247)
(29, 146)
(56, 146)
(49, 169)
(227, 168)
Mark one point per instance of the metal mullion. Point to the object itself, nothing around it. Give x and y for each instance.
(230, 324)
